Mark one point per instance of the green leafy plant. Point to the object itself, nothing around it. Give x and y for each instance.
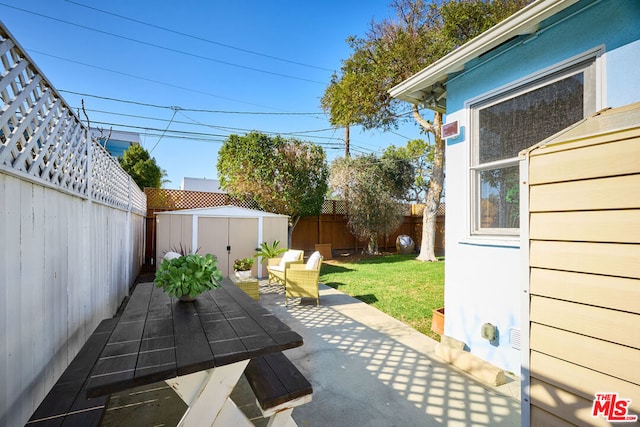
(188, 275)
(267, 251)
(243, 264)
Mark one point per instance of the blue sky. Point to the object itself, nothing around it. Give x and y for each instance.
(229, 58)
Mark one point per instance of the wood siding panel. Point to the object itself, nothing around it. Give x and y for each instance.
(593, 161)
(611, 325)
(581, 381)
(597, 258)
(602, 356)
(603, 291)
(584, 266)
(620, 226)
(562, 404)
(621, 192)
(541, 418)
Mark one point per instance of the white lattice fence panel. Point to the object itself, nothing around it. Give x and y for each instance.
(109, 185)
(42, 140)
(40, 136)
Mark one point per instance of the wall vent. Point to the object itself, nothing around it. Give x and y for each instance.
(514, 338)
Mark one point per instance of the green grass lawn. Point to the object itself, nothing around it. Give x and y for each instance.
(396, 284)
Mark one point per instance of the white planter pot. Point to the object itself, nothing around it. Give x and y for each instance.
(243, 274)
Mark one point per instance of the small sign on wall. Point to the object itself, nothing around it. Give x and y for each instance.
(450, 130)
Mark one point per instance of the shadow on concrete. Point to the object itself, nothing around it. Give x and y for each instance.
(368, 369)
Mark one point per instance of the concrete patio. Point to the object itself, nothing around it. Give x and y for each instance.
(366, 368)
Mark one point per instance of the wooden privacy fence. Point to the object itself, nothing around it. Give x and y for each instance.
(71, 233)
(329, 227)
(333, 229)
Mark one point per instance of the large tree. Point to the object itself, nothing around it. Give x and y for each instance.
(419, 154)
(376, 189)
(143, 168)
(392, 51)
(285, 176)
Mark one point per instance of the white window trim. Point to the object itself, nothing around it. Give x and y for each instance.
(497, 237)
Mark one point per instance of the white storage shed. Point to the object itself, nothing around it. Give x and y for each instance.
(228, 232)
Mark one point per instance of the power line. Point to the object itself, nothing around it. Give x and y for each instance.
(181, 52)
(224, 128)
(147, 79)
(197, 38)
(194, 136)
(197, 110)
(175, 111)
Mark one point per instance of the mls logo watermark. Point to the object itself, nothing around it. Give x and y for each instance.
(612, 408)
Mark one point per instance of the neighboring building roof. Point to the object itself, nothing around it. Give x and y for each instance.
(428, 87)
(224, 211)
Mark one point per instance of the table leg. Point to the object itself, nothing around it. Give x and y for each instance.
(206, 393)
(231, 415)
(282, 419)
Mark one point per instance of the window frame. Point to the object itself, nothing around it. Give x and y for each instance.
(588, 64)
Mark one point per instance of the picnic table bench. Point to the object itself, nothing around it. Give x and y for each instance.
(66, 403)
(278, 386)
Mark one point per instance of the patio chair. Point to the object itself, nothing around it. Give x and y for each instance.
(302, 279)
(277, 267)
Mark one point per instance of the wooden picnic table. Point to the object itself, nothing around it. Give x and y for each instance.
(200, 348)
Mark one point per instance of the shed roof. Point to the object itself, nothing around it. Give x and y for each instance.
(593, 130)
(227, 211)
(428, 86)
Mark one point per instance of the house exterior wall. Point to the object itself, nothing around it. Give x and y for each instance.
(483, 274)
(201, 184)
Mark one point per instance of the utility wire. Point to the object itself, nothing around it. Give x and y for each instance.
(181, 52)
(175, 111)
(197, 110)
(196, 37)
(199, 136)
(147, 79)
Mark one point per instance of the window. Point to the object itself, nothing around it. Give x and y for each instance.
(513, 121)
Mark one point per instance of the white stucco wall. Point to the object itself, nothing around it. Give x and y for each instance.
(201, 184)
(482, 275)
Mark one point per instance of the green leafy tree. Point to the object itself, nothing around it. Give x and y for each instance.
(419, 154)
(285, 176)
(376, 188)
(392, 51)
(143, 168)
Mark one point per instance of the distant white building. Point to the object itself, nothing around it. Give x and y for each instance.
(201, 184)
(116, 141)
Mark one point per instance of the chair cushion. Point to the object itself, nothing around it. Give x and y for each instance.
(313, 263)
(276, 268)
(290, 255)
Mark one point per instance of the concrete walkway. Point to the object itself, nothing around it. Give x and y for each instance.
(366, 369)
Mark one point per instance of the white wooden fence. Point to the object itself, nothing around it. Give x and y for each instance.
(71, 234)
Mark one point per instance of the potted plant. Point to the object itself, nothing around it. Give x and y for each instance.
(187, 276)
(437, 321)
(242, 267)
(267, 251)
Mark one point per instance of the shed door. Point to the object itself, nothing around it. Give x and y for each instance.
(243, 239)
(215, 235)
